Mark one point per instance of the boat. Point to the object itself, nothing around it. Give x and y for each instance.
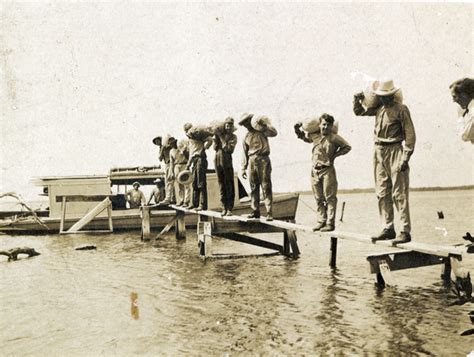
(114, 185)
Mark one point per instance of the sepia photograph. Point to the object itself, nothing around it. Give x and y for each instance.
(236, 178)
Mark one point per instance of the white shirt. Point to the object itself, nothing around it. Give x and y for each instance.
(466, 123)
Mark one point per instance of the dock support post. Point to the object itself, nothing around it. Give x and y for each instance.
(290, 241)
(109, 214)
(63, 214)
(332, 260)
(180, 226)
(286, 244)
(205, 239)
(145, 223)
(446, 271)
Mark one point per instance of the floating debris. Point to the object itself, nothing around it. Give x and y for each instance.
(86, 247)
(13, 253)
(440, 214)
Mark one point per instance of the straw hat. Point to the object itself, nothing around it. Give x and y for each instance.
(185, 177)
(245, 117)
(385, 88)
(256, 122)
(158, 180)
(136, 183)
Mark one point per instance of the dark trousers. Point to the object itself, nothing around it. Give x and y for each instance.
(225, 177)
(199, 182)
(260, 169)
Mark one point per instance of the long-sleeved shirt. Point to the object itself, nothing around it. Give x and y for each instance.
(224, 144)
(158, 194)
(198, 147)
(165, 154)
(256, 143)
(392, 124)
(466, 123)
(327, 148)
(178, 157)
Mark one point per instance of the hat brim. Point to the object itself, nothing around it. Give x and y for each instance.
(386, 93)
(157, 140)
(245, 119)
(185, 177)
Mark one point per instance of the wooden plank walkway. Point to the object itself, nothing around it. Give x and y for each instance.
(427, 248)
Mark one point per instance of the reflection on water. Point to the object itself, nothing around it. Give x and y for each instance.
(129, 297)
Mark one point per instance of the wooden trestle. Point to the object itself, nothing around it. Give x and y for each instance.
(403, 256)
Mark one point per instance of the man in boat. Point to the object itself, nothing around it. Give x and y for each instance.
(178, 159)
(158, 194)
(326, 147)
(224, 144)
(462, 92)
(395, 138)
(168, 145)
(199, 142)
(135, 196)
(257, 159)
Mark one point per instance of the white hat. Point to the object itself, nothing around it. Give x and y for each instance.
(385, 87)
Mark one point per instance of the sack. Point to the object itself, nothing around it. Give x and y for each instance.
(201, 132)
(311, 126)
(261, 118)
(372, 101)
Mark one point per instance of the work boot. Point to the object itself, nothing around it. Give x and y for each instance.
(224, 213)
(386, 234)
(328, 228)
(229, 213)
(403, 237)
(254, 214)
(269, 217)
(199, 208)
(319, 226)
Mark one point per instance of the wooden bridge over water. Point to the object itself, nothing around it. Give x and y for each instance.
(237, 228)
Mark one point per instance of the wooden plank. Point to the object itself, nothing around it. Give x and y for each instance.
(386, 273)
(295, 251)
(63, 215)
(180, 226)
(332, 259)
(109, 214)
(89, 216)
(399, 260)
(250, 240)
(240, 256)
(146, 232)
(222, 226)
(82, 198)
(167, 227)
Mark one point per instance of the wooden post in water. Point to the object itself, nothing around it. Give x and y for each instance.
(342, 211)
(180, 226)
(145, 223)
(286, 244)
(332, 260)
(446, 271)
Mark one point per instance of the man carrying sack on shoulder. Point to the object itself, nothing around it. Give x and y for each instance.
(257, 159)
(395, 138)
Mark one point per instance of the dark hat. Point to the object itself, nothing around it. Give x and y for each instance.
(157, 140)
(229, 120)
(245, 118)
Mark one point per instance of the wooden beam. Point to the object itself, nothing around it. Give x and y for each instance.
(167, 227)
(332, 260)
(180, 226)
(250, 240)
(399, 260)
(146, 229)
(63, 215)
(89, 216)
(82, 198)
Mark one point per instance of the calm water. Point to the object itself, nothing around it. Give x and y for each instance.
(67, 302)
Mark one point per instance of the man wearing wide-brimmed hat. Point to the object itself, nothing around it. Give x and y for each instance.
(178, 160)
(257, 159)
(135, 196)
(169, 144)
(224, 144)
(395, 138)
(158, 193)
(199, 142)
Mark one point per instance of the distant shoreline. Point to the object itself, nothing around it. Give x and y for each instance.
(414, 189)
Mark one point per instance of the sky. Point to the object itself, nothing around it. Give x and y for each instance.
(85, 87)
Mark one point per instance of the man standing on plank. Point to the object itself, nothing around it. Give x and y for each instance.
(326, 147)
(224, 144)
(257, 159)
(395, 138)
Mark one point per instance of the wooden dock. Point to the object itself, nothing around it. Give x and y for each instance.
(403, 256)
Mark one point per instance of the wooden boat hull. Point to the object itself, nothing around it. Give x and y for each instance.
(284, 208)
